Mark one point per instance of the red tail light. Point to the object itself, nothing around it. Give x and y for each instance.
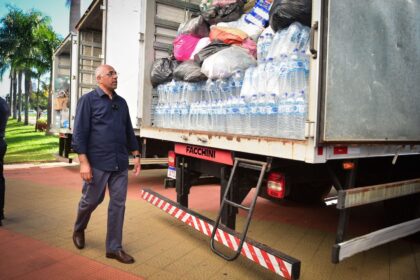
(171, 158)
(276, 185)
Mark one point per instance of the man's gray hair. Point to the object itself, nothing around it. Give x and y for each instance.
(98, 71)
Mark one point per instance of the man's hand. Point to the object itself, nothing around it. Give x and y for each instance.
(85, 169)
(137, 166)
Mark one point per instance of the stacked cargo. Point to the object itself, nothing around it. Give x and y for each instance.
(61, 93)
(236, 72)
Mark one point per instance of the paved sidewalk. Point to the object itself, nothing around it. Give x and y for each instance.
(26, 258)
(40, 212)
(41, 207)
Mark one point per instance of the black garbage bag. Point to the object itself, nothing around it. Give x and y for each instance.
(162, 70)
(196, 26)
(285, 12)
(208, 50)
(226, 13)
(189, 71)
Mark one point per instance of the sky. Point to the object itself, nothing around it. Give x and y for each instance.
(55, 9)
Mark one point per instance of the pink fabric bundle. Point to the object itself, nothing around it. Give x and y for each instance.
(184, 45)
(251, 46)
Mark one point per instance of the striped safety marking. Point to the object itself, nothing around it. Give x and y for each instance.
(275, 261)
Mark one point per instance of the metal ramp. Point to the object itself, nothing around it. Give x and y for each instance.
(269, 258)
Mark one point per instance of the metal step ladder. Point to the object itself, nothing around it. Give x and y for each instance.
(243, 163)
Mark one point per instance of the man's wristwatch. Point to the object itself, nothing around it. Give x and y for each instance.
(136, 156)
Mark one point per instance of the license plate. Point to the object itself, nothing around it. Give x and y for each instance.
(171, 172)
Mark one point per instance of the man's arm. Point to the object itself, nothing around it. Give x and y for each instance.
(80, 137)
(137, 162)
(85, 170)
(133, 145)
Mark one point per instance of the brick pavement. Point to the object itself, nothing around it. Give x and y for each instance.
(41, 207)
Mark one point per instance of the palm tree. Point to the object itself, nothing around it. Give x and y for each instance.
(74, 13)
(34, 20)
(47, 41)
(26, 41)
(9, 42)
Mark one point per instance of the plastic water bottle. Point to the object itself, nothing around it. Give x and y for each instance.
(179, 100)
(263, 126)
(262, 78)
(276, 50)
(242, 123)
(281, 116)
(288, 112)
(270, 116)
(167, 107)
(303, 42)
(301, 96)
(237, 82)
(260, 48)
(184, 104)
(271, 73)
(170, 109)
(253, 116)
(293, 38)
(268, 40)
(226, 87)
(209, 105)
(246, 90)
(301, 114)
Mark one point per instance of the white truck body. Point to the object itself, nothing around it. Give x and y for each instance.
(131, 34)
(355, 101)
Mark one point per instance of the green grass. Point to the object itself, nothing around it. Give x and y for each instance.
(25, 145)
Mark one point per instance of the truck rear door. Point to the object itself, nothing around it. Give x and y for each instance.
(370, 71)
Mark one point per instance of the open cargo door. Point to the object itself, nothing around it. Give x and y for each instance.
(90, 46)
(370, 86)
(161, 23)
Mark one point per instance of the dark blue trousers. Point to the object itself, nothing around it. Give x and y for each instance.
(93, 194)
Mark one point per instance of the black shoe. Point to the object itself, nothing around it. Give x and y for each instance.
(120, 256)
(79, 239)
(1, 224)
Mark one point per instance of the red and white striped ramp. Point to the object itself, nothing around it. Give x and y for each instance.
(279, 263)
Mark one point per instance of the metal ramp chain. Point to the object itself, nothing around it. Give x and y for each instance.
(244, 163)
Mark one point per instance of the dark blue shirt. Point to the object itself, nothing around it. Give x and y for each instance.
(103, 131)
(4, 115)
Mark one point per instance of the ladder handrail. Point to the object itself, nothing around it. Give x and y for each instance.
(250, 211)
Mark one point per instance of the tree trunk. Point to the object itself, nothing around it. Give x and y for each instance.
(28, 92)
(74, 14)
(11, 92)
(37, 104)
(14, 94)
(19, 109)
(49, 112)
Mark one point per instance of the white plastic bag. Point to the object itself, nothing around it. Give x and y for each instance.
(225, 62)
(200, 45)
(252, 30)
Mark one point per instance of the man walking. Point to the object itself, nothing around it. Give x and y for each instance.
(103, 136)
(4, 115)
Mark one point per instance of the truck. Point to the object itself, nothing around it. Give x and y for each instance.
(362, 128)
(361, 131)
